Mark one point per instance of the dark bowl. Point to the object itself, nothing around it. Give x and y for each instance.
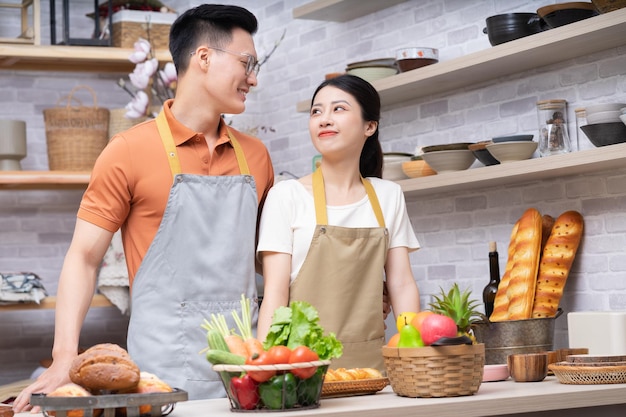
(506, 27)
(561, 14)
(514, 138)
(603, 134)
(482, 154)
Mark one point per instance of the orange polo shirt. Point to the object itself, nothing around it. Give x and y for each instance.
(131, 180)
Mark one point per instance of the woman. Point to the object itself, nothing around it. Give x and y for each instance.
(333, 238)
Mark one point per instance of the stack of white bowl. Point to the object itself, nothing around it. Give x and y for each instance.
(604, 113)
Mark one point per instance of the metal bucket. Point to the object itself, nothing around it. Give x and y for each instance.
(505, 338)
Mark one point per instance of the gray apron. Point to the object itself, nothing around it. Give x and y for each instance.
(342, 276)
(200, 262)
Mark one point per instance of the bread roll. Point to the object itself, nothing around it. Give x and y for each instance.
(105, 367)
(521, 288)
(501, 302)
(352, 374)
(556, 262)
(71, 390)
(148, 383)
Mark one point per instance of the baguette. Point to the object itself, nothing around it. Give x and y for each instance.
(521, 288)
(547, 222)
(556, 262)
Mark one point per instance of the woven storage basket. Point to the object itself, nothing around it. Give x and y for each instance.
(435, 371)
(588, 375)
(130, 25)
(228, 372)
(75, 135)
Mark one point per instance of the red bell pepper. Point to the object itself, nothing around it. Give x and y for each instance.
(245, 392)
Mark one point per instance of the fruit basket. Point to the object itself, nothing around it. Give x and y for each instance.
(283, 391)
(435, 371)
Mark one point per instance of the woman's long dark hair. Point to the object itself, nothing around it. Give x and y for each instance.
(371, 160)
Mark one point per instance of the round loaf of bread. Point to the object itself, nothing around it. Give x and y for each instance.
(105, 367)
(71, 390)
(148, 383)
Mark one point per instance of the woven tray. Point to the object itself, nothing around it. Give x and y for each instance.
(588, 375)
(356, 387)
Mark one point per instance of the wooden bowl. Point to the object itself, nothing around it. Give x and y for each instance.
(528, 367)
(417, 168)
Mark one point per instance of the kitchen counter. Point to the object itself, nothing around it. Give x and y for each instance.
(549, 398)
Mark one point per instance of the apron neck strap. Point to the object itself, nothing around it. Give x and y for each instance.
(172, 155)
(319, 198)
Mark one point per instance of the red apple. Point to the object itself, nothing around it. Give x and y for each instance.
(435, 326)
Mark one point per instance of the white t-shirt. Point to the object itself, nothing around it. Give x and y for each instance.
(288, 219)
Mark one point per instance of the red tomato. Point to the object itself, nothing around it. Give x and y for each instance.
(303, 354)
(262, 358)
(279, 354)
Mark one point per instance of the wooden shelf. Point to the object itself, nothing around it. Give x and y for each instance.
(62, 58)
(340, 10)
(43, 180)
(555, 45)
(588, 161)
(48, 303)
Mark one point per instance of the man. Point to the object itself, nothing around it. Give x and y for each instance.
(185, 190)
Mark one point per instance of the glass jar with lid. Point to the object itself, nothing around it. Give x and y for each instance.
(552, 120)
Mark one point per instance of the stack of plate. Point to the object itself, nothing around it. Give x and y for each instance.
(374, 69)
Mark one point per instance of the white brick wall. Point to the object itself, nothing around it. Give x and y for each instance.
(454, 229)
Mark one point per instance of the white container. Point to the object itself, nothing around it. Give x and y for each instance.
(603, 332)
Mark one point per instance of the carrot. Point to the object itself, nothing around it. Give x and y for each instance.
(233, 341)
(244, 324)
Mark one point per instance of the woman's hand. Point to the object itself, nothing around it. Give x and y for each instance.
(52, 378)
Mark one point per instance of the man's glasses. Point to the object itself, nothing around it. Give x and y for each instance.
(251, 62)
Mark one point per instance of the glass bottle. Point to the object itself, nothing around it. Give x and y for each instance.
(489, 293)
(581, 120)
(553, 136)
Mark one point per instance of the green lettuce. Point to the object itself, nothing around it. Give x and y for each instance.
(298, 325)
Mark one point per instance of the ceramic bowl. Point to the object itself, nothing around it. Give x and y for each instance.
(595, 108)
(623, 118)
(506, 27)
(561, 14)
(512, 151)
(416, 168)
(603, 134)
(371, 74)
(449, 161)
(416, 57)
(392, 165)
(446, 147)
(498, 372)
(482, 154)
(608, 116)
(513, 138)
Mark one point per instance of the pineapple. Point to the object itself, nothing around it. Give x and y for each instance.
(457, 306)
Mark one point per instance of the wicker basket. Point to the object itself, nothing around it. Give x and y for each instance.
(435, 371)
(130, 25)
(228, 372)
(75, 135)
(568, 373)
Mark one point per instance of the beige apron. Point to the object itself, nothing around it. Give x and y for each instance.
(342, 276)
